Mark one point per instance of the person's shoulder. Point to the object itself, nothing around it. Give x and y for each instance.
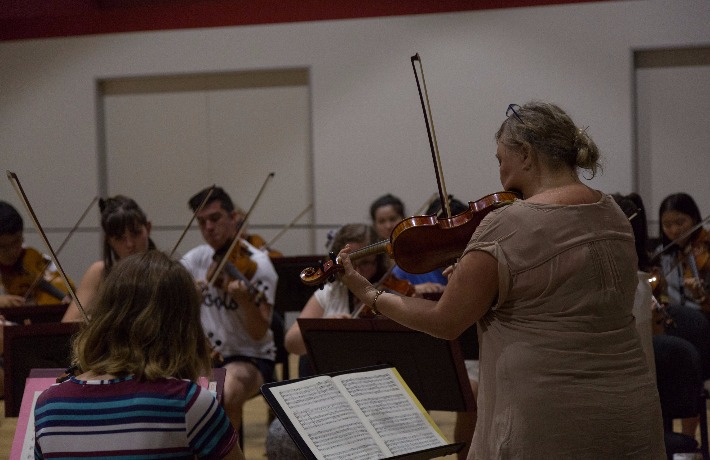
(96, 267)
(203, 251)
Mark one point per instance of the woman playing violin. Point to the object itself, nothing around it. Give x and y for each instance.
(686, 260)
(126, 231)
(28, 277)
(550, 280)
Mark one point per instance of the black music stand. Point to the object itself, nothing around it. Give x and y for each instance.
(33, 346)
(34, 313)
(433, 368)
(291, 293)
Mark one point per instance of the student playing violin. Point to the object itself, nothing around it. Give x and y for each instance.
(386, 212)
(28, 277)
(686, 258)
(236, 315)
(335, 300)
(126, 230)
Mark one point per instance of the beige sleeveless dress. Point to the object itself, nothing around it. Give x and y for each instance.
(563, 374)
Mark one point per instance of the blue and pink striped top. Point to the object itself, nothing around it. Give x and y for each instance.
(126, 418)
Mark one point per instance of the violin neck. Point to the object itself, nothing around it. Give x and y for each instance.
(380, 247)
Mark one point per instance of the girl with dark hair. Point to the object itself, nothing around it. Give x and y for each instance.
(126, 231)
(686, 252)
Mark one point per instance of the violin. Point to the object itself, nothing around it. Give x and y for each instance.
(235, 261)
(389, 283)
(420, 244)
(260, 243)
(238, 266)
(29, 278)
(696, 255)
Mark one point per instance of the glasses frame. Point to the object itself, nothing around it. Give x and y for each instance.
(514, 109)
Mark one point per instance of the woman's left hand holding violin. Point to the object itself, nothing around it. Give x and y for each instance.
(358, 284)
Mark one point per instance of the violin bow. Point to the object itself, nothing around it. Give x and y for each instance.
(23, 197)
(242, 226)
(681, 237)
(61, 246)
(290, 224)
(194, 214)
(429, 121)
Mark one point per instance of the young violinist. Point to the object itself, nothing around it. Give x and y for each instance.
(686, 252)
(28, 277)
(386, 212)
(683, 255)
(334, 300)
(236, 311)
(140, 358)
(126, 231)
(550, 280)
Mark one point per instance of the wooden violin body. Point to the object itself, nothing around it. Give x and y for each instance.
(421, 244)
(424, 243)
(31, 279)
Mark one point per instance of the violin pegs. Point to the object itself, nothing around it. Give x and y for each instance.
(332, 256)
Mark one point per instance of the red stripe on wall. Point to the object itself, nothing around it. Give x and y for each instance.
(25, 19)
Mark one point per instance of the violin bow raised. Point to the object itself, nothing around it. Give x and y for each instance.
(290, 224)
(238, 236)
(23, 197)
(429, 121)
(61, 246)
(194, 214)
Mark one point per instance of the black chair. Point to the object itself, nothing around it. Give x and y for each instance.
(679, 378)
(278, 328)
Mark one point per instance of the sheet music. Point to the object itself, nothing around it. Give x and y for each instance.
(403, 426)
(327, 423)
(358, 416)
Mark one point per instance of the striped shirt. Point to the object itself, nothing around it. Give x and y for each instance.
(126, 418)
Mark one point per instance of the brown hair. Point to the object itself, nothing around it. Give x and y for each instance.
(146, 323)
(358, 233)
(546, 129)
(118, 214)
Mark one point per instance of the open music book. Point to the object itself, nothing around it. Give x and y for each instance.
(360, 414)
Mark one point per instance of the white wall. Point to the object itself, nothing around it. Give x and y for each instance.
(368, 132)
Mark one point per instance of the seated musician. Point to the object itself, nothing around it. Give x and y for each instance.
(126, 230)
(28, 277)
(236, 315)
(335, 300)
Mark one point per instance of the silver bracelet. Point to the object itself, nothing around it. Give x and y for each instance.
(374, 302)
